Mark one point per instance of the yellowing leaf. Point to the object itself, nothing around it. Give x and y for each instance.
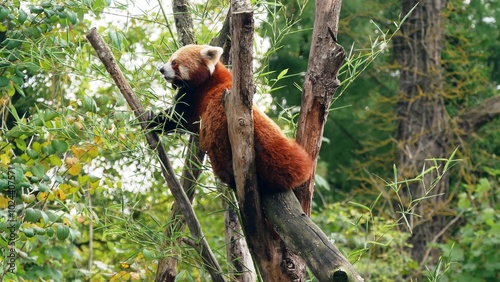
(65, 187)
(94, 151)
(68, 189)
(66, 221)
(4, 202)
(77, 151)
(51, 197)
(55, 160)
(71, 161)
(94, 184)
(120, 276)
(78, 125)
(60, 194)
(75, 169)
(4, 159)
(98, 140)
(36, 146)
(41, 196)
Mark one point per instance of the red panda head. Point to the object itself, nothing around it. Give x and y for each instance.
(191, 65)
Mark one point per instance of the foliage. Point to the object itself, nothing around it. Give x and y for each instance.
(473, 250)
(373, 242)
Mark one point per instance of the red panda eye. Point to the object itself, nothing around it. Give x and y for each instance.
(173, 63)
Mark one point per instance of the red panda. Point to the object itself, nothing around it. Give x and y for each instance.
(281, 163)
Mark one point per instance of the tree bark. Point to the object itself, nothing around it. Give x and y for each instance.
(275, 260)
(237, 250)
(238, 107)
(183, 22)
(167, 266)
(325, 60)
(236, 245)
(298, 232)
(423, 126)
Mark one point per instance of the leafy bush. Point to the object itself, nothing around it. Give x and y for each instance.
(473, 251)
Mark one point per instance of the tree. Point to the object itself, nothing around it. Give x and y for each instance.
(424, 127)
(422, 124)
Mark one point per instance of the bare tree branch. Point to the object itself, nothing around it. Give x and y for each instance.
(183, 22)
(167, 266)
(105, 55)
(324, 260)
(480, 115)
(238, 108)
(325, 60)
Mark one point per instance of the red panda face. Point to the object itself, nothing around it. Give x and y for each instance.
(191, 65)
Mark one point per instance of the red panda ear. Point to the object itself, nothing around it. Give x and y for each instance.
(212, 55)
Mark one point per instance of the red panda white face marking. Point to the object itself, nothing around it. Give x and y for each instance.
(191, 64)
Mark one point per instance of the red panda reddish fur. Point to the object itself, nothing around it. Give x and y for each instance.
(281, 163)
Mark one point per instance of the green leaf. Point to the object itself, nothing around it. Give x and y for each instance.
(21, 144)
(282, 74)
(16, 79)
(89, 104)
(22, 16)
(43, 188)
(32, 215)
(321, 182)
(49, 115)
(39, 230)
(38, 170)
(50, 231)
(4, 81)
(4, 13)
(4, 184)
(72, 17)
(116, 39)
(60, 146)
(32, 154)
(29, 232)
(62, 232)
(463, 201)
(18, 175)
(49, 150)
(36, 10)
(148, 254)
(28, 198)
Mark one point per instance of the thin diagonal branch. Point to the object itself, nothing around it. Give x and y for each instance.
(106, 57)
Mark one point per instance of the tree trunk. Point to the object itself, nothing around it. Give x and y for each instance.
(237, 250)
(423, 126)
(325, 60)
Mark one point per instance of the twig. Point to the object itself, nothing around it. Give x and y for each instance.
(439, 234)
